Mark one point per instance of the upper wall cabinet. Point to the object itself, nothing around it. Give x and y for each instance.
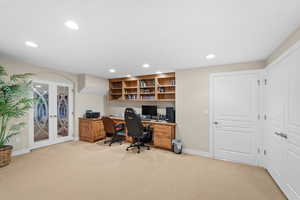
(158, 87)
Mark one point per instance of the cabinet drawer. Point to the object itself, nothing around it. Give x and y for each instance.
(163, 143)
(162, 128)
(162, 134)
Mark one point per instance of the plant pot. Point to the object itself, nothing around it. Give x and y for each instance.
(5, 155)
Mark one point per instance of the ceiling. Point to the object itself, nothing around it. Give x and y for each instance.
(124, 34)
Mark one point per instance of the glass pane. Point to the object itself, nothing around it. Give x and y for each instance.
(62, 111)
(41, 112)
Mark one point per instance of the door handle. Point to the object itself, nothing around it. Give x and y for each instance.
(284, 135)
(215, 123)
(278, 134)
(281, 135)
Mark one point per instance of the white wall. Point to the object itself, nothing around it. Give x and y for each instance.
(192, 102)
(82, 101)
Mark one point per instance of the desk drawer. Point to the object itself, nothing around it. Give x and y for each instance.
(163, 131)
(162, 134)
(163, 143)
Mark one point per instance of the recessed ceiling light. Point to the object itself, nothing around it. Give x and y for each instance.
(38, 86)
(112, 70)
(31, 44)
(71, 25)
(158, 72)
(128, 75)
(210, 56)
(146, 65)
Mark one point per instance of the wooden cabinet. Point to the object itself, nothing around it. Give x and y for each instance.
(155, 87)
(91, 130)
(163, 134)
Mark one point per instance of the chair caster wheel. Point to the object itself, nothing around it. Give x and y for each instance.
(138, 152)
(148, 148)
(126, 149)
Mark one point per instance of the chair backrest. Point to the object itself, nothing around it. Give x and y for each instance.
(133, 123)
(109, 125)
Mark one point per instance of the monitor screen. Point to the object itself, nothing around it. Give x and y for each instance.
(149, 110)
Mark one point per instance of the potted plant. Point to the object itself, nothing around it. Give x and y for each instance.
(15, 101)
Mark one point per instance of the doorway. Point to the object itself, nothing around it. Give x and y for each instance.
(51, 118)
(235, 115)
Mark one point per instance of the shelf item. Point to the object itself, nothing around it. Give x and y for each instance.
(155, 87)
(166, 81)
(144, 83)
(166, 86)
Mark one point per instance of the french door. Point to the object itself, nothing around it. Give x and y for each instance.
(283, 124)
(235, 116)
(52, 114)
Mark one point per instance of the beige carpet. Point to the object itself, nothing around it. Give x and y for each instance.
(83, 171)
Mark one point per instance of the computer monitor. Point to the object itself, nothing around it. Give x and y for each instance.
(149, 110)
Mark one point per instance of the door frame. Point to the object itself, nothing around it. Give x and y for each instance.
(53, 139)
(260, 113)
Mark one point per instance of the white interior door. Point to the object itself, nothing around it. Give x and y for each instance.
(275, 105)
(234, 100)
(52, 115)
(283, 128)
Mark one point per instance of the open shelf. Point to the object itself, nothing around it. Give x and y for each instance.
(156, 87)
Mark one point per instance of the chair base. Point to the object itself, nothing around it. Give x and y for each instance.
(113, 140)
(138, 145)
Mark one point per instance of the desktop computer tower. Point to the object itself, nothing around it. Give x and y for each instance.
(170, 114)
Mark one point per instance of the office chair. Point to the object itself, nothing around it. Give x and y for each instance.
(115, 130)
(136, 130)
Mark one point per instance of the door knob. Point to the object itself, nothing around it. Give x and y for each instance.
(284, 135)
(278, 134)
(216, 123)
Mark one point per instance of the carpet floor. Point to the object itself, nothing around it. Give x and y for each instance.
(84, 171)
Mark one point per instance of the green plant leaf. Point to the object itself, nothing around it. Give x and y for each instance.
(16, 77)
(7, 138)
(15, 101)
(17, 127)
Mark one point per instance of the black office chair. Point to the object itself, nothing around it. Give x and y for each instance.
(136, 130)
(116, 131)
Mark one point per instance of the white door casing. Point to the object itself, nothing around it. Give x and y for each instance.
(235, 116)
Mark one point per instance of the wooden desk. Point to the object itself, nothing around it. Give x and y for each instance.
(163, 132)
(91, 130)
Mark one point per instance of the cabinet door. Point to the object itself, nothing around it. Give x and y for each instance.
(84, 129)
(98, 130)
(163, 136)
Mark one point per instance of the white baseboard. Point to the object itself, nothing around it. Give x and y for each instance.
(76, 139)
(198, 153)
(20, 152)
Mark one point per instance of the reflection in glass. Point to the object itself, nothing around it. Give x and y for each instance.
(62, 111)
(41, 111)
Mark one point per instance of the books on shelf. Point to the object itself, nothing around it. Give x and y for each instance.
(148, 83)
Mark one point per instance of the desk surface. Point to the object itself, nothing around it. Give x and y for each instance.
(144, 121)
(148, 121)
